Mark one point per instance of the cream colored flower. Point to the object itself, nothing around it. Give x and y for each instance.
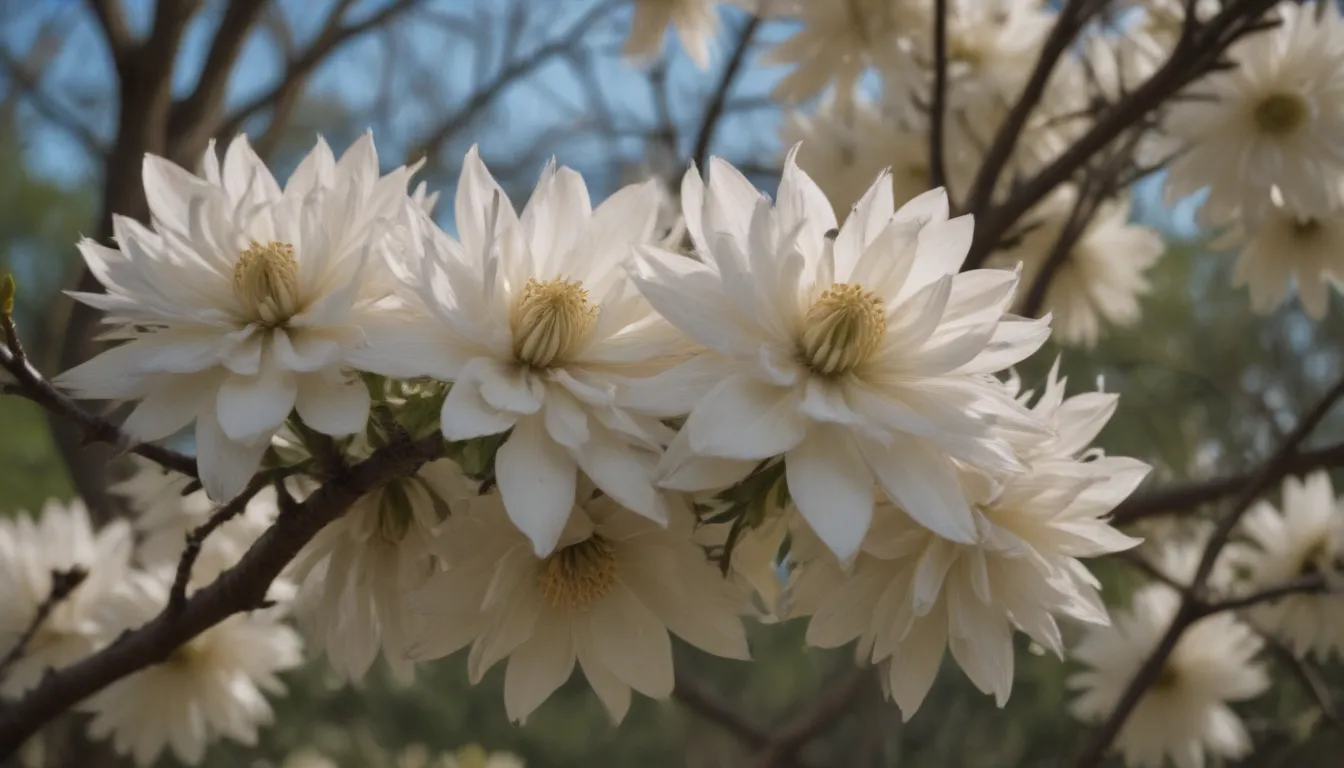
(212, 687)
(61, 538)
(606, 597)
(1184, 716)
(838, 42)
(1307, 538)
(1101, 277)
(696, 22)
(1283, 250)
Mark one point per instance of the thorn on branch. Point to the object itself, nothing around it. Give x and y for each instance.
(63, 583)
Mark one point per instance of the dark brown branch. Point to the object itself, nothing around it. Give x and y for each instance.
(517, 70)
(113, 22)
(62, 584)
(705, 703)
(1192, 608)
(1305, 585)
(32, 385)
(704, 139)
(827, 706)
(1186, 496)
(297, 71)
(29, 86)
(1195, 55)
(241, 588)
(191, 122)
(938, 105)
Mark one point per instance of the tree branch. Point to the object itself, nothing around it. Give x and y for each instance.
(62, 584)
(113, 22)
(827, 706)
(938, 105)
(704, 139)
(1192, 606)
(695, 697)
(241, 588)
(192, 119)
(1184, 496)
(49, 107)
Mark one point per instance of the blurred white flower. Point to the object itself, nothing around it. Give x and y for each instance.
(696, 22)
(535, 323)
(165, 515)
(242, 302)
(1184, 715)
(213, 686)
(839, 41)
(355, 573)
(1100, 278)
(1275, 120)
(61, 539)
(857, 353)
(1307, 538)
(474, 756)
(606, 597)
(1283, 250)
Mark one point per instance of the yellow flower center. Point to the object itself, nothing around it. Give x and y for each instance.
(1166, 680)
(1305, 229)
(844, 327)
(1280, 114)
(266, 282)
(580, 574)
(550, 321)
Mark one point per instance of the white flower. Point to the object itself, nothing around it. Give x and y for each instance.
(356, 572)
(1075, 421)
(473, 756)
(1101, 277)
(1283, 248)
(211, 687)
(840, 41)
(696, 22)
(857, 354)
(606, 597)
(535, 323)
(165, 515)
(61, 539)
(910, 595)
(1184, 715)
(242, 302)
(1307, 538)
(1275, 120)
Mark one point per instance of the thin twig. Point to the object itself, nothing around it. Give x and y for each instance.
(829, 705)
(709, 706)
(704, 138)
(32, 385)
(63, 583)
(30, 86)
(1303, 586)
(938, 106)
(1192, 608)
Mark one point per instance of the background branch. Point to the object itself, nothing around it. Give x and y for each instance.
(62, 584)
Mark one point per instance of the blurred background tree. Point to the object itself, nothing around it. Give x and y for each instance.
(1207, 386)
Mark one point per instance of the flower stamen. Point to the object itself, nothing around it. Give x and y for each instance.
(1280, 114)
(844, 327)
(551, 320)
(578, 575)
(266, 282)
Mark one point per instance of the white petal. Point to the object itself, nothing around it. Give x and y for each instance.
(249, 406)
(225, 466)
(537, 479)
(632, 643)
(742, 418)
(923, 482)
(466, 415)
(170, 406)
(332, 403)
(537, 668)
(623, 472)
(831, 487)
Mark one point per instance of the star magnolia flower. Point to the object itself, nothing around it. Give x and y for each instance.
(165, 515)
(911, 595)
(1184, 715)
(1275, 120)
(696, 22)
(242, 302)
(1102, 276)
(536, 325)
(61, 539)
(1075, 421)
(211, 687)
(1283, 250)
(1307, 538)
(356, 571)
(858, 354)
(606, 597)
(838, 45)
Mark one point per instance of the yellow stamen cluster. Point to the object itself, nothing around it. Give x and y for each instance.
(266, 282)
(551, 320)
(578, 575)
(1280, 114)
(844, 327)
